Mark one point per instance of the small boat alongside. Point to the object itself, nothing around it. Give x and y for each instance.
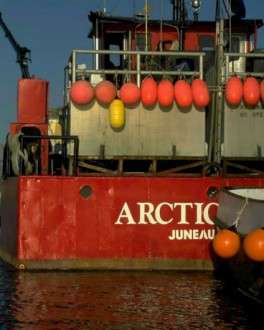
(239, 242)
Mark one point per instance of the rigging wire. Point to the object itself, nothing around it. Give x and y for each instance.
(161, 26)
(227, 6)
(134, 7)
(104, 6)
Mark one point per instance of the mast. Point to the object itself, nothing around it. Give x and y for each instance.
(218, 108)
(215, 139)
(178, 16)
(146, 24)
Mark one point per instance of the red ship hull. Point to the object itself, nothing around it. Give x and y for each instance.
(110, 222)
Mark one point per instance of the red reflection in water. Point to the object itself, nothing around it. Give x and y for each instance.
(119, 300)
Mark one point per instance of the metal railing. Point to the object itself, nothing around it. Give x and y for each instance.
(228, 58)
(138, 56)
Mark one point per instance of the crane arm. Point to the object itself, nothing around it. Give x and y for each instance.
(23, 53)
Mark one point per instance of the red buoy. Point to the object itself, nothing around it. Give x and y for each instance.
(129, 94)
(262, 91)
(200, 93)
(81, 92)
(165, 93)
(226, 243)
(149, 92)
(251, 91)
(183, 94)
(254, 245)
(105, 92)
(234, 91)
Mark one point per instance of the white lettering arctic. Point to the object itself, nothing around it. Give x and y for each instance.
(151, 214)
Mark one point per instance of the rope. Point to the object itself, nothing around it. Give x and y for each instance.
(240, 212)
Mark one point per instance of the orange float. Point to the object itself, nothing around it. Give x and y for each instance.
(200, 93)
(262, 91)
(183, 94)
(251, 91)
(254, 245)
(130, 94)
(234, 91)
(165, 93)
(105, 92)
(149, 92)
(226, 243)
(81, 92)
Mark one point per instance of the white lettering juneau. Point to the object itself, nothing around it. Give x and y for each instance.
(151, 214)
(194, 234)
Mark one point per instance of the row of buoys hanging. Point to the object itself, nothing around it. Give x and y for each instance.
(250, 91)
(165, 93)
(184, 94)
(226, 244)
(200, 93)
(261, 88)
(149, 92)
(83, 93)
(105, 92)
(130, 94)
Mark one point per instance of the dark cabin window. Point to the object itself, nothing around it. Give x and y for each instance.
(113, 41)
(141, 41)
(235, 46)
(207, 45)
(115, 58)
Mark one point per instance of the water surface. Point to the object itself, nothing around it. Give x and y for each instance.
(120, 300)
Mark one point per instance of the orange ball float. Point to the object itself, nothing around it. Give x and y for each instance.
(226, 243)
(200, 93)
(183, 94)
(251, 91)
(149, 92)
(130, 94)
(105, 92)
(234, 91)
(165, 93)
(262, 91)
(81, 92)
(254, 245)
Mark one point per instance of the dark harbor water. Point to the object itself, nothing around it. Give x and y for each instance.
(121, 300)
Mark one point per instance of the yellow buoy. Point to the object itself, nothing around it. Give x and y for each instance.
(117, 114)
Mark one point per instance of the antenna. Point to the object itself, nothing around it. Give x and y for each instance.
(196, 5)
(179, 15)
(104, 6)
(146, 10)
(178, 11)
